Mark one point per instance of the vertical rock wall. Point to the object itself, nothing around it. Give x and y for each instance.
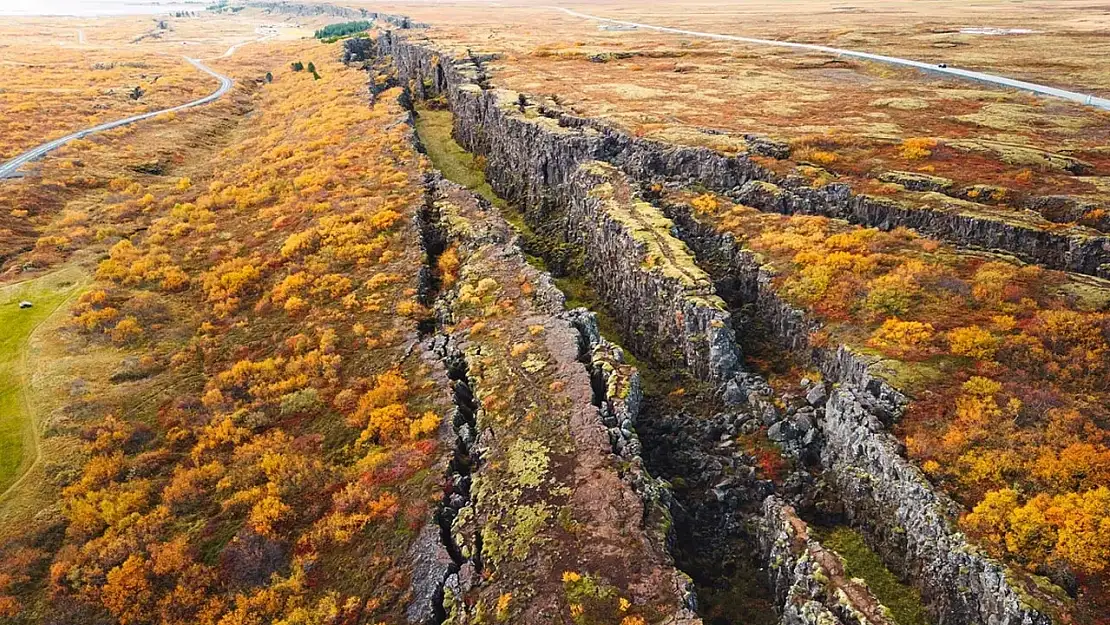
(535, 159)
(890, 499)
(664, 300)
(534, 149)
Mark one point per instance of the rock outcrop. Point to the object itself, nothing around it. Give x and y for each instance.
(808, 580)
(911, 523)
(543, 161)
(666, 302)
(533, 149)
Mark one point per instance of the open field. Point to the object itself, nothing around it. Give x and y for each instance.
(18, 439)
(124, 66)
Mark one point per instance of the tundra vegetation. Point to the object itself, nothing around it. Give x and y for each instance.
(288, 458)
(220, 408)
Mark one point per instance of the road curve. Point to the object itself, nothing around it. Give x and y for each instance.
(10, 169)
(1073, 96)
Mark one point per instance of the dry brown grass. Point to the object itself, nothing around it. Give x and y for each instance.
(675, 87)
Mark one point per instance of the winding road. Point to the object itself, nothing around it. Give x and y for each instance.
(1002, 81)
(10, 169)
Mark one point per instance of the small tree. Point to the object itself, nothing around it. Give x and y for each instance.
(312, 67)
(269, 77)
(298, 66)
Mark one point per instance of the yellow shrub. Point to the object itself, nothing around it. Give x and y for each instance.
(974, 342)
(901, 337)
(917, 148)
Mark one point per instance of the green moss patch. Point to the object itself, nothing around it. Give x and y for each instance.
(861, 562)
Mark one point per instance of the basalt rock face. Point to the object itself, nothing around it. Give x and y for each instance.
(808, 580)
(666, 302)
(533, 150)
(667, 306)
(1078, 249)
(541, 160)
(357, 49)
(912, 523)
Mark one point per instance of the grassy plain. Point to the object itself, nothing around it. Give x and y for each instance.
(18, 444)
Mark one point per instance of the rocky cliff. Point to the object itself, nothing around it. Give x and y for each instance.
(545, 441)
(542, 161)
(534, 148)
(668, 306)
(912, 524)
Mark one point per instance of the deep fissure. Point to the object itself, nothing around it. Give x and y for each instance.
(536, 158)
(709, 538)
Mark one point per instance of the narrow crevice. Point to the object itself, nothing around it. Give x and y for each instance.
(428, 281)
(464, 459)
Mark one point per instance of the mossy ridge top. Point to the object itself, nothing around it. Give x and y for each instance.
(663, 252)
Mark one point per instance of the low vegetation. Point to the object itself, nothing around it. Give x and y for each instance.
(860, 562)
(282, 333)
(43, 295)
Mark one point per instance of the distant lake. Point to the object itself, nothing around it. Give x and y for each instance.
(90, 8)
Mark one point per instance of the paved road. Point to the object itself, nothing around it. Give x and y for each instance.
(10, 168)
(1081, 98)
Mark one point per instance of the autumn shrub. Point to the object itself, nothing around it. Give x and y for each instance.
(917, 148)
(823, 158)
(973, 342)
(902, 338)
(705, 203)
(126, 331)
(1071, 529)
(304, 401)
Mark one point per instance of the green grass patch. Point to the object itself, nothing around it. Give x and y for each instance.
(452, 160)
(861, 562)
(46, 293)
